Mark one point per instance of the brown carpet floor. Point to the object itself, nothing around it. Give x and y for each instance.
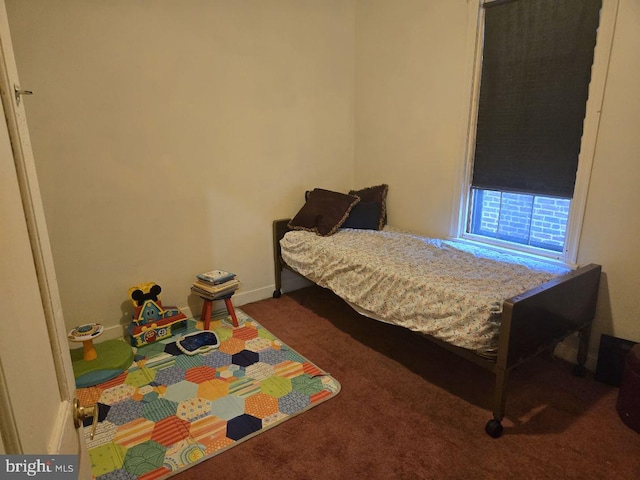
(411, 410)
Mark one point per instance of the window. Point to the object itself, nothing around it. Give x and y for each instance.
(524, 187)
(526, 219)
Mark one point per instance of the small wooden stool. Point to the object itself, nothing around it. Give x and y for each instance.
(207, 307)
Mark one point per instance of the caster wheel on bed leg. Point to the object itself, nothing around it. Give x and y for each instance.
(493, 428)
(277, 293)
(579, 371)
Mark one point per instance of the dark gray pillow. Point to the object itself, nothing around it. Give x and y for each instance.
(365, 215)
(377, 195)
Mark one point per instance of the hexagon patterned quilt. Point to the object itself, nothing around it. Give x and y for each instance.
(170, 410)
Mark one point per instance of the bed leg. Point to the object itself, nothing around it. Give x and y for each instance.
(278, 276)
(279, 228)
(494, 426)
(278, 291)
(583, 348)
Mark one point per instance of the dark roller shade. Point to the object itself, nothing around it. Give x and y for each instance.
(536, 69)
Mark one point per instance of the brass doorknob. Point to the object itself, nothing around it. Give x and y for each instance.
(80, 413)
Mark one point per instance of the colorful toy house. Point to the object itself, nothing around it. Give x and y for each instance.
(151, 320)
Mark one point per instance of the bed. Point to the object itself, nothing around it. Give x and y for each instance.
(496, 323)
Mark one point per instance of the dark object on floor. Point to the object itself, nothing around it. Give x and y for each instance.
(198, 342)
(611, 357)
(628, 404)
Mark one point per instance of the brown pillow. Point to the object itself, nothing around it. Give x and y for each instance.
(323, 212)
(377, 195)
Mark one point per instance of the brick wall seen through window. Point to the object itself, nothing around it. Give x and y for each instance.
(525, 219)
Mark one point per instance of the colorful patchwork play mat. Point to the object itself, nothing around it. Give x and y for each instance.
(180, 404)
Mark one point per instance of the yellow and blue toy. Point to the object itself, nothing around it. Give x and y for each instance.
(151, 320)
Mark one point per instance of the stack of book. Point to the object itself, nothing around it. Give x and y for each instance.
(215, 284)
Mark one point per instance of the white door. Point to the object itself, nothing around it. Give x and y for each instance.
(37, 388)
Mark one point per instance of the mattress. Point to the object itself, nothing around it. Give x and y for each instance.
(448, 289)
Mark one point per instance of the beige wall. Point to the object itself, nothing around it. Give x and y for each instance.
(611, 232)
(410, 94)
(410, 86)
(169, 134)
(235, 108)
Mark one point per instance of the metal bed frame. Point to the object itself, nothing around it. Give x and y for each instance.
(532, 322)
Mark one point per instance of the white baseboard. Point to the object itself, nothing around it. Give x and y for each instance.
(566, 350)
(239, 298)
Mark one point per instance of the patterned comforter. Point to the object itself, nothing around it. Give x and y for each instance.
(448, 289)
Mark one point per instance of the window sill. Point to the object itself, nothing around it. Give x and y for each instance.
(553, 258)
